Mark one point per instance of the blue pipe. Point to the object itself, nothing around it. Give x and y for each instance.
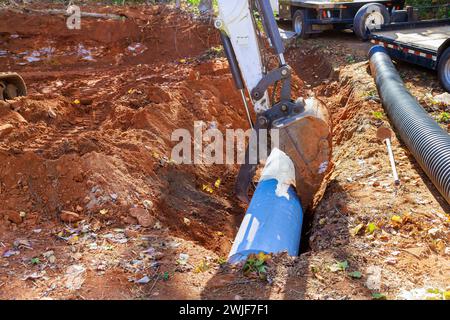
(272, 223)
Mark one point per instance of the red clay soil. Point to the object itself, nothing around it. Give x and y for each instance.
(97, 134)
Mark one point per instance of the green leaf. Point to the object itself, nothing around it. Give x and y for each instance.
(261, 269)
(355, 274)
(444, 117)
(377, 115)
(371, 227)
(259, 263)
(35, 261)
(378, 296)
(165, 276)
(340, 266)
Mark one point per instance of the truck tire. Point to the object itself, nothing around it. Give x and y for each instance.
(299, 24)
(444, 69)
(370, 16)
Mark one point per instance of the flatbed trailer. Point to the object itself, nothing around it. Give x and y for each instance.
(314, 16)
(424, 43)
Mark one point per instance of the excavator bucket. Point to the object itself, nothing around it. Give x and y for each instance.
(307, 140)
(11, 86)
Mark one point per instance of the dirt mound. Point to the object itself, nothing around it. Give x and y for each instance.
(155, 34)
(95, 141)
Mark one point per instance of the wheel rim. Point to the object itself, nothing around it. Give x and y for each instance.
(374, 20)
(447, 72)
(298, 25)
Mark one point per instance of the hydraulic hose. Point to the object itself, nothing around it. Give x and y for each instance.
(426, 140)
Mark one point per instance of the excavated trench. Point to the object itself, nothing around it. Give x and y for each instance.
(87, 141)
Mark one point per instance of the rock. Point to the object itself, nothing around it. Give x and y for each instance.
(443, 99)
(13, 216)
(50, 256)
(373, 281)
(69, 216)
(77, 256)
(129, 220)
(143, 280)
(391, 260)
(6, 129)
(447, 251)
(131, 233)
(148, 204)
(144, 218)
(51, 113)
(75, 276)
(434, 233)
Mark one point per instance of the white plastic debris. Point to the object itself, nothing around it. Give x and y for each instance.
(281, 168)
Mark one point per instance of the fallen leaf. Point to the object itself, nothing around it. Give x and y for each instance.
(354, 231)
(73, 239)
(396, 219)
(263, 257)
(207, 188)
(378, 296)
(202, 266)
(446, 295)
(339, 266)
(217, 183)
(355, 274)
(371, 227)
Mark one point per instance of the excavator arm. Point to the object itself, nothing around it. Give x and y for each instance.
(303, 125)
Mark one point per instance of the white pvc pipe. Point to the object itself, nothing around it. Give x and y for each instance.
(392, 160)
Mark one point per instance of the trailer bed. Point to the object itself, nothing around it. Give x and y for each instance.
(418, 42)
(319, 4)
(428, 38)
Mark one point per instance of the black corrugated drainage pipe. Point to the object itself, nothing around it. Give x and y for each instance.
(426, 140)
